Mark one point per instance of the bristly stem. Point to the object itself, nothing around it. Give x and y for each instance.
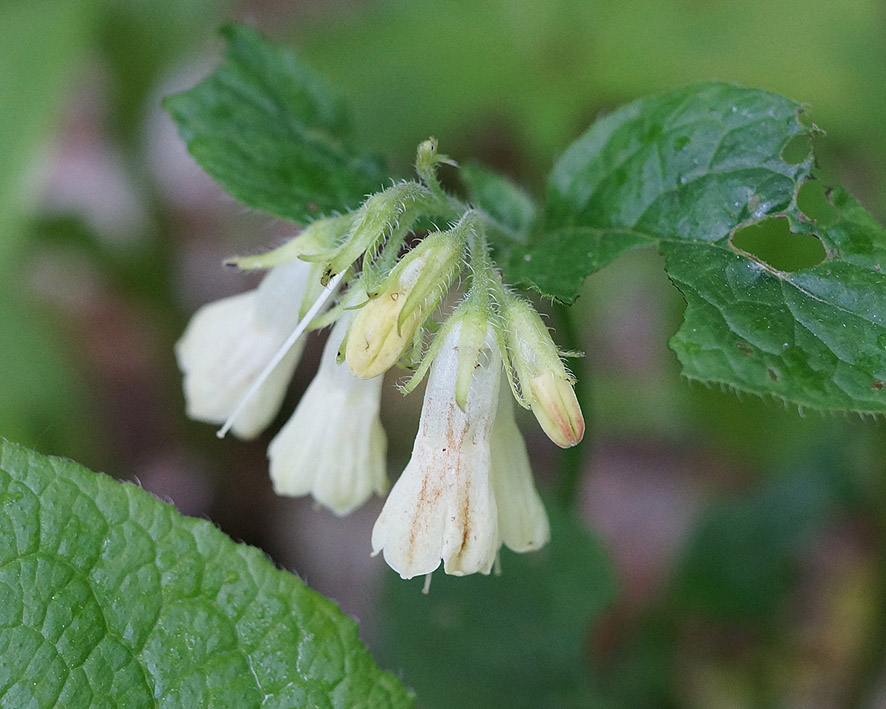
(572, 460)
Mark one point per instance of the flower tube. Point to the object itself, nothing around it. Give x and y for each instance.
(333, 447)
(228, 342)
(442, 507)
(522, 520)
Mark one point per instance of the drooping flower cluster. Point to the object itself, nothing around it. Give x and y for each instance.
(468, 487)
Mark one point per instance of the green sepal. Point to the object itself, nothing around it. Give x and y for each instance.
(320, 234)
(426, 160)
(474, 324)
(373, 222)
(442, 252)
(428, 358)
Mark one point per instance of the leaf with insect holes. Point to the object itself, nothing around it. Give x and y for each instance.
(109, 597)
(695, 172)
(272, 134)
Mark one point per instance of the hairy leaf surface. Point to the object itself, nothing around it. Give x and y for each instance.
(272, 134)
(109, 597)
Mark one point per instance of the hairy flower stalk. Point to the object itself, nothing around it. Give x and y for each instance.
(228, 343)
(387, 213)
(333, 447)
(442, 507)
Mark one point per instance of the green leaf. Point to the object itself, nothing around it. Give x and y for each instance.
(687, 166)
(686, 171)
(514, 640)
(109, 597)
(816, 337)
(501, 199)
(271, 133)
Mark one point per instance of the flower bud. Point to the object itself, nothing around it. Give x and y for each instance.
(555, 407)
(396, 208)
(545, 385)
(385, 326)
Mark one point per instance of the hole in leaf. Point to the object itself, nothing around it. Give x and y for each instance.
(772, 242)
(797, 150)
(812, 199)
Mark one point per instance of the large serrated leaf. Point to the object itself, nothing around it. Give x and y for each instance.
(272, 134)
(816, 337)
(684, 171)
(109, 597)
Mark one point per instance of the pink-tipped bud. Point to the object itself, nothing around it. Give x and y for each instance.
(545, 385)
(553, 402)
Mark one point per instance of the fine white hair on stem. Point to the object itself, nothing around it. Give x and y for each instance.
(299, 330)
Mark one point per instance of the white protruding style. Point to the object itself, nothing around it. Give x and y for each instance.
(333, 447)
(229, 342)
(282, 352)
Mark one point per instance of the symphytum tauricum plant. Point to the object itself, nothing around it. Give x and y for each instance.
(468, 487)
(686, 172)
(110, 597)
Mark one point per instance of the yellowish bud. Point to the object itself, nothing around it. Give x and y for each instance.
(385, 326)
(375, 343)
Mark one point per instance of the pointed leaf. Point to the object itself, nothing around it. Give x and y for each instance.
(271, 133)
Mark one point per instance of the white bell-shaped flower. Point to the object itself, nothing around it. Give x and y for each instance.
(522, 520)
(443, 507)
(228, 343)
(333, 447)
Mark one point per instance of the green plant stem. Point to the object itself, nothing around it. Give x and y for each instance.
(572, 460)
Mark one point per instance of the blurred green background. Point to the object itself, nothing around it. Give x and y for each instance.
(718, 551)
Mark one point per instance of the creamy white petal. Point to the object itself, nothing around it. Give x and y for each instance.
(333, 447)
(442, 507)
(228, 343)
(522, 520)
